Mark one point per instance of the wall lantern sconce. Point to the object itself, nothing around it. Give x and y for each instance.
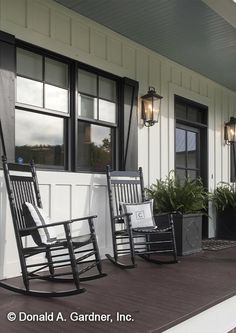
(230, 131)
(151, 103)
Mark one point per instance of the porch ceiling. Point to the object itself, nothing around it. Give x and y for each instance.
(200, 35)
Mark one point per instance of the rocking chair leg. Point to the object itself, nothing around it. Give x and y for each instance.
(74, 266)
(95, 246)
(131, 240)
(49, 259)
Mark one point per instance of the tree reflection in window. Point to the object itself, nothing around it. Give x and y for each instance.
(39, 137)
(94, 146)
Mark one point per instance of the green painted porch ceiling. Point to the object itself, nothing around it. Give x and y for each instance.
(186, 31)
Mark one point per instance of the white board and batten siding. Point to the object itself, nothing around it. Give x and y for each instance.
(49, 25)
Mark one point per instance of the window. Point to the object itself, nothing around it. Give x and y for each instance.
(97, 120)
(54, 109)
(42, 107)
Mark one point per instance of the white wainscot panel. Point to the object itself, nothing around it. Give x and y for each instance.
(99, 207)
(39, 17)
(100, 45)
(62, 28)
(16, 12)
(80, 208)
(115, 51)
(61, 202)
(45, 192)
(129, 60)
(80, 36)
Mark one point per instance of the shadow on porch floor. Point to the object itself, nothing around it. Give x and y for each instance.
(155, 296)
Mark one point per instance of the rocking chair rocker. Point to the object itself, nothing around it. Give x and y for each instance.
(78, 255)
(153, 238)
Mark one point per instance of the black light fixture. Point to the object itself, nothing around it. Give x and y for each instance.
(151, 103)
(230, 131)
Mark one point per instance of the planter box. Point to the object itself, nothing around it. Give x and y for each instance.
(188, 233)
(226, 224)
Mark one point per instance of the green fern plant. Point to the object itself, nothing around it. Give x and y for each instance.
(174, 195)
(224, 197)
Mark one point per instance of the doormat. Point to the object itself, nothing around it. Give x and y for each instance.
(217, 244)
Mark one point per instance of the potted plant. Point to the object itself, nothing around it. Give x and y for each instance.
(187, 200)
(224, 200)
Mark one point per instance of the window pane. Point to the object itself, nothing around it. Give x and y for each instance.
(56, 73)
(180, 148)
(107, 89)
(180, 174)
(29, 92)
(29, 64)
(56, 98)
(192, 174)
(194, 114)
(180, 110)
(107, 111)
(39, 137)
(87, 106)
(94, 147)
(192, 152)
(87, 82)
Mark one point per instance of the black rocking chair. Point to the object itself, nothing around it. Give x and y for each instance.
(152, 243)
(64, 260)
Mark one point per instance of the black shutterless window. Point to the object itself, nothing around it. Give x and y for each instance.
(42, 106)
(97, 121)
(64, 118)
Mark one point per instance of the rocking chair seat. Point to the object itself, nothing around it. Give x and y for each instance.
(150, 230)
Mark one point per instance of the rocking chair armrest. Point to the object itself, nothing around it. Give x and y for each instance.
(117, 217)
(58, 223)
(90, 217)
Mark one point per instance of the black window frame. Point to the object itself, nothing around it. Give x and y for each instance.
(71, 118)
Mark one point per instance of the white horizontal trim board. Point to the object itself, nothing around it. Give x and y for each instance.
(218, 319)
(47, 24)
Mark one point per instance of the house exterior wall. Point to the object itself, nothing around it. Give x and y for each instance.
(49, 25)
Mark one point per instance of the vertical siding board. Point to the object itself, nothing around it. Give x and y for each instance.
(225, 166)
(164, 119)
(142, 66)
(154, 160)
(218, 135)
(211, 140)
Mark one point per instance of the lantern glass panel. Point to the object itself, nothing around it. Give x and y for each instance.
(231, 132)
(147, 105)
(156, 109)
